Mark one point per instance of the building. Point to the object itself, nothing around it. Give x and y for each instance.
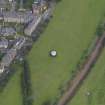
(1, 69)
(44, 5)
(3, 3)
(3, 43)
(39, 7)
(11, 54)
(53, 53)
(19, 43)
(37, 19)
(1, 16)
(10, 1)
(9, 57)
(17, 17)
(32, 25)
(35, 9)
(6, 31)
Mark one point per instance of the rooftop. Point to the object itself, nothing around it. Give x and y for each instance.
(7, 59)
(6, 31)
(3, 43)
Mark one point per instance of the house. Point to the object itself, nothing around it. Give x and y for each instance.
(9, 57)
(37, 19)
(7, 31)
(39, 6)
(1, 69)
(19, 43)
(3, 3)
(17, 17)
(3, 43)
(11, 54)
(32, 25)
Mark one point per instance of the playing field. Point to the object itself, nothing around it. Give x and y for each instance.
(11, 95)
(94, 85)
(69, 33)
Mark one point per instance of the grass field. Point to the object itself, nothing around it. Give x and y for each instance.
(69, 33)
(11, 94)
(95, 84)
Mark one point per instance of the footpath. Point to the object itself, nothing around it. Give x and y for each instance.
(84, 70)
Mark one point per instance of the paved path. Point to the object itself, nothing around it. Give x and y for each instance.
(83, 71)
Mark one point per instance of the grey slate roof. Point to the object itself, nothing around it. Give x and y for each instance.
(7, 59)
(6, 31)
(18, 17)
(3, 43)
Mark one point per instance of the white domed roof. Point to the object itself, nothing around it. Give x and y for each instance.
(53, 53)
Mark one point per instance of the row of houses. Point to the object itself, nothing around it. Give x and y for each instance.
(3, 3)
(30, 19)
(6, 31)
(33, 17)
(33, 25)
(19, 43)
(11, 54)
(7, 59)
(17, 17)
(3, 43)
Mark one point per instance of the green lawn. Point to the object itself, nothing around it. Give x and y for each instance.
(69, 33)
(11, 94)
(95, 84)
(28, 3)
